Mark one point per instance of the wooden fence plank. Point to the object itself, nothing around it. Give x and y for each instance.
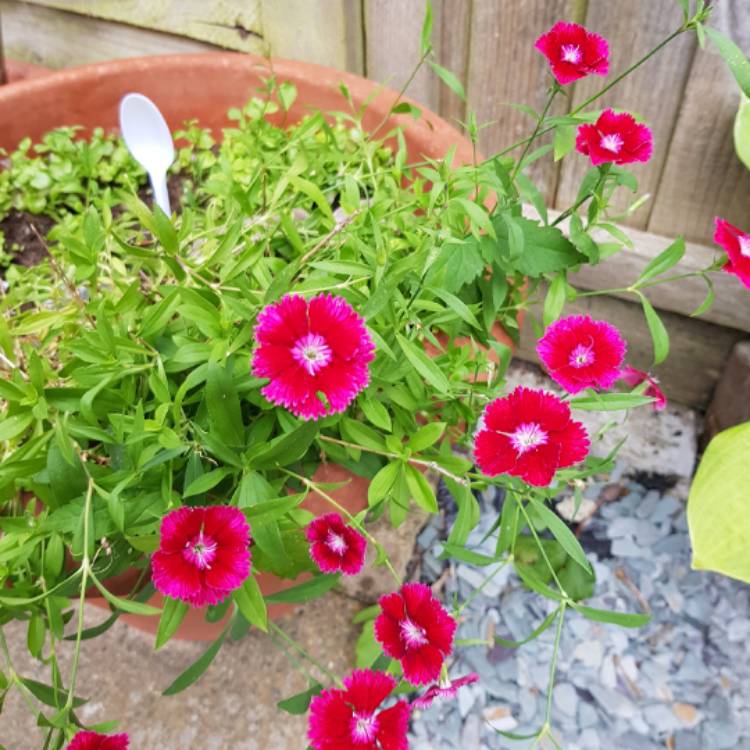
(505, 68)
(654, 92)
(233, 25)
(703, 176)
(58, 39)
(328, 32)
(455, 41)
(392, 33)
(697, 355)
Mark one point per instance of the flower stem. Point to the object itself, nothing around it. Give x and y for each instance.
(478, 590)
(553, 665)
(553, 93)
(303, 653)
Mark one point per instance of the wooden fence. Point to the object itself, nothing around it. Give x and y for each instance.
(685, 94)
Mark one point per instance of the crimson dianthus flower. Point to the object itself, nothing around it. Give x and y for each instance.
(635, 377)
(573, 52)
(444, 690)
(203, 554)
(615, 138)
(414, 628)
(352, 718)
(96, 741)
(335, 546)
(736, 244)
(580, 352)
(529, 434)
(315, 354)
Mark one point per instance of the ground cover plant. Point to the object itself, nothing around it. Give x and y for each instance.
(172, 384)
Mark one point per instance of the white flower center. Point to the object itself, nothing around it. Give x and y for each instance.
(335, 542)
(200, 551)
(744, 241)
(364, 728)
(527, 436)
(312, 352)
(612, 142)
(412, 633)
(571, 53)
(581, 356)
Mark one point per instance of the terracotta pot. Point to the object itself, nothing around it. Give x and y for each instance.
(203, 87)
(18, 70)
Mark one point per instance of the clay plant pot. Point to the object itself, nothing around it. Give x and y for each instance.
(204, 87)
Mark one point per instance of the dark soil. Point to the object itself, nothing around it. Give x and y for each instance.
(20, 239)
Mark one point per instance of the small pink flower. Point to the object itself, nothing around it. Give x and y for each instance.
(529, 434)
(335, 546)
(580, 352)
(444, 691)
(416, 629)
(352, 719)
(736, 244)
(96, 741)
(203, 554)
(615, 138)
(312, 349)
(573, 52)
(635, 377)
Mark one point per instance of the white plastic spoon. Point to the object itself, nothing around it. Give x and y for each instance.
(148, 139)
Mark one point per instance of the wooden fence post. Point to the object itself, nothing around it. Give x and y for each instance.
(3, 72)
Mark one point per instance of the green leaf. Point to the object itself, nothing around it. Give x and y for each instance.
(425, 366)
(463, 554)
(376, 413)
(315, 194)
(382, 482)
(171, 616)
(659, 334)
(35, 634)
(718, 507)
(664, 261)
(561, 532)
(565, 140)
(305, 592)
(610, 401)
(126, 605)
(742, 131)
(12, 427)
(205, 482)
(555, 299)
(197, 668)
(49, 695)
(426, 436)
(545, 249)
(548, 620)
(449, 79)
(361, 434)
(251, 603)
(463, 263)
(734, 58)
(284, 449)
(299, 703)
(420, 490)
(424, 37)
(224, 405)
(624, 619)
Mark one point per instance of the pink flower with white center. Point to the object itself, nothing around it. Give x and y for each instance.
(579, 352)
(95, 741)
(353, 718)
(203, 554)
(335, 546)
(444, 690)
(315, 353)
(736, 244)
(615, 138)
(529, 434)
(573, 52)
(416, 629)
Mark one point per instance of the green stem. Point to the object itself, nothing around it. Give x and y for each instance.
(481, 586)
(85, 570)
(553, 93)
(553, 665)
(419, 461)
(303, 653)
(595, 192)
(541, 549)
